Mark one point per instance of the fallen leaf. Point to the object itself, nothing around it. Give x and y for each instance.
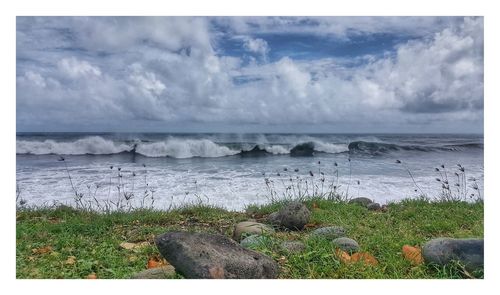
(282, 260)
(309, 225)
(132, 246)
(413, 254)
(92, 276)
(343, 256)
(71, 260)
(31, 258)
(43, 250)
(156, 261)
(364, 257)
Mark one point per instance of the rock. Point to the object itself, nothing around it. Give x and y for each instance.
(162, 272)
(374, 207)
(361, 201)
(441, 251)
(293, 246)
(254, 241)
(303, 150)
(293, 215)
(203, 255)
(346, 244)
(329, 232)
(273, 218)
(247, 228)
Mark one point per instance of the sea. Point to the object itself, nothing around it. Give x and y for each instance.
(168, 170)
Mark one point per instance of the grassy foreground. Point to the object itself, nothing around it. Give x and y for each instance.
(67, 243)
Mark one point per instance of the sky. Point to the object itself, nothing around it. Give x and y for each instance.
(250, 74)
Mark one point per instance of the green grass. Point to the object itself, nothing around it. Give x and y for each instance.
(94, 239)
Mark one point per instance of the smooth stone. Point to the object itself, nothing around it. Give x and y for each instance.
(293, 215)
(293, 246)
(374, 207)
(468, 252)
(163, 272)
(254, 241)
(247, 228)
(347, 244)
(213, 256)
(361, 201)
(329, 232)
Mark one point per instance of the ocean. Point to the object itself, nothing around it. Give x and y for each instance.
(235, 170)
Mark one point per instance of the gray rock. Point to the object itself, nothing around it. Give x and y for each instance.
(254, 241)
(374, 207)
(273, 218)
(346, 244)
(163, 272)
(441, 251)
(329, 232)
(293, 246)
(293, 215)
(247, 228)
(213, 256)
(361, 201)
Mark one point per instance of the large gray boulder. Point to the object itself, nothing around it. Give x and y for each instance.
(468, 252)
(346, 244)
(247, 228)
(213, 256)
(361, 201)
(329, 232)
(293, 215)
(163, 272)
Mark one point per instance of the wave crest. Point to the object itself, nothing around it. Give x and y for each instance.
(187, 148)
(93, 145)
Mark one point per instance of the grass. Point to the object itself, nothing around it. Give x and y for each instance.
(93, 239)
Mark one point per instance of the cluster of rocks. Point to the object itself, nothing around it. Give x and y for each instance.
(369, 204)
(203, 255)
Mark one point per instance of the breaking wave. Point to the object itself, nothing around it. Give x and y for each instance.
(175, 147)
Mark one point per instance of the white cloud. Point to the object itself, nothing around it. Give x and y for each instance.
(256, 45)
(78, 68)
(167, 70)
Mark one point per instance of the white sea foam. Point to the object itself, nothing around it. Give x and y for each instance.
(94, 145)
(185, 148)
(332, 148)
(277, 150)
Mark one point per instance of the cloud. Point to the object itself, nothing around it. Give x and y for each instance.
(75, 68)
(161, 71)
(256, 45)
